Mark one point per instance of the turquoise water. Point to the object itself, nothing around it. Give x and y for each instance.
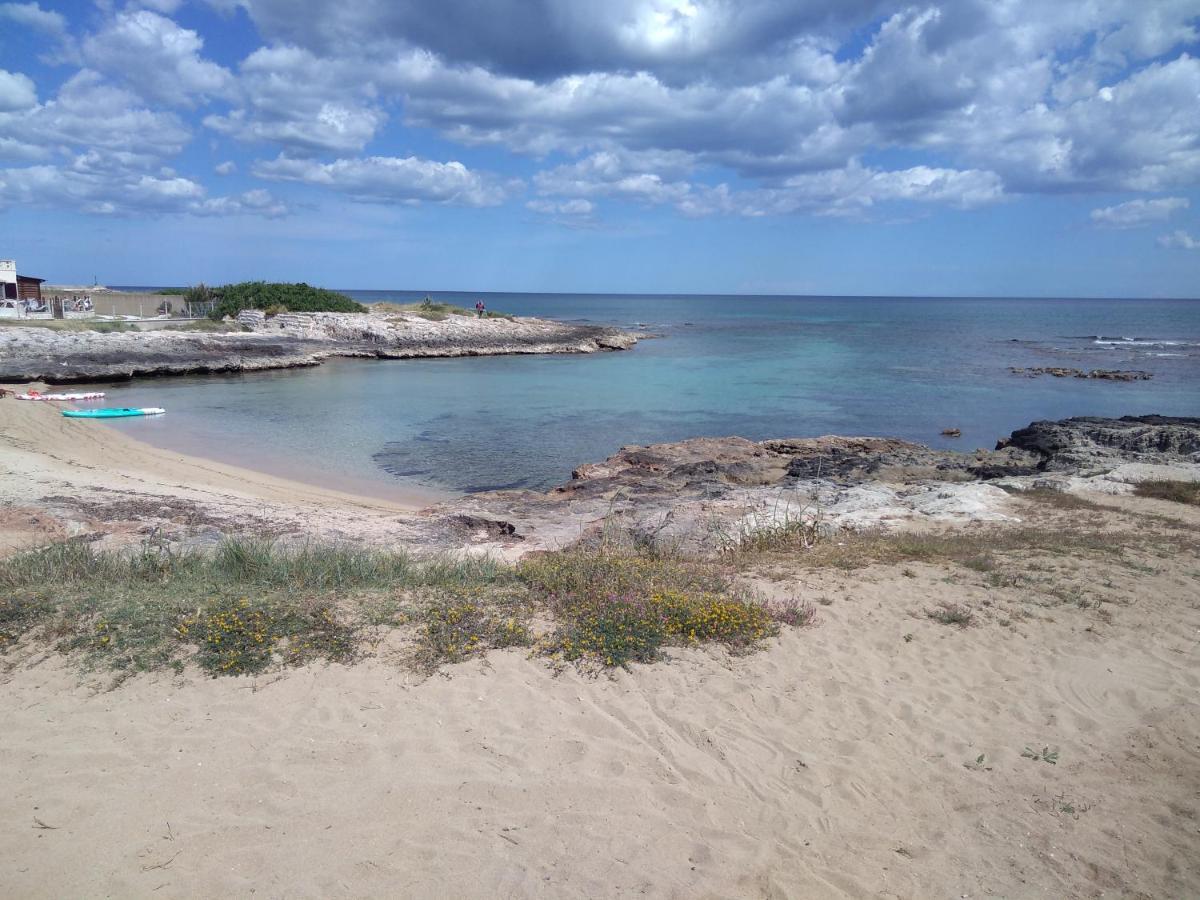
(753, 366)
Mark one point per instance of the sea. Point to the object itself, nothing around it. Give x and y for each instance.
(755, 366)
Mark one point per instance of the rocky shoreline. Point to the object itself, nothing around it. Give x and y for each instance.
(700, 496)
(284, 341)
(702, 493)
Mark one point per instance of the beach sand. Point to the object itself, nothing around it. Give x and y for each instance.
(839, 762)
(43, 455)
(1051, 749)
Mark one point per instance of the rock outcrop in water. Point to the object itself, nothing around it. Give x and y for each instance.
(1088, 443)
(285, 341)
(1095, 374)
(707, 492)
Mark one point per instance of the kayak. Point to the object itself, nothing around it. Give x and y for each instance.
(34, 395)
(112, 413)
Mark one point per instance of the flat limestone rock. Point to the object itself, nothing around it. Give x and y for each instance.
(284, 341)
(701, 494)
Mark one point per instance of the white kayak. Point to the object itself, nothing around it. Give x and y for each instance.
(34, 395)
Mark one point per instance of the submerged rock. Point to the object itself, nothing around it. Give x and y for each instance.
(1099, 374)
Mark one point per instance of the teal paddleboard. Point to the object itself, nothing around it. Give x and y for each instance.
(112, 413)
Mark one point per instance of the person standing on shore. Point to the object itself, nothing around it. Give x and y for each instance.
(480, 309)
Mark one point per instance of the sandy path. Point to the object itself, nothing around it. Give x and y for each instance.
(830, 765)
(43, 455)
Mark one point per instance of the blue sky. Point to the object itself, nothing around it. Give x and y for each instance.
(961, 147)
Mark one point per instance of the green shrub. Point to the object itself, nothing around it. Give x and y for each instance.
(453, 629)
(231, 299)
(242, 636)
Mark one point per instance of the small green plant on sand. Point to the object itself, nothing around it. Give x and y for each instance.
(952, 614)
(1047, 755)
(979, 764)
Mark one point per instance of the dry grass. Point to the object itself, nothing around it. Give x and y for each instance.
(1061, 500)
(434, 311)
(1176, 491)
(103, 326)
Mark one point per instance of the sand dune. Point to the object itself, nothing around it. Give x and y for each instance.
(840, 762)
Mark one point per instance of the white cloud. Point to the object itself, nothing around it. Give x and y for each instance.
(14, 150)
(1138, 212)
(157, 58)
(91, 113)
(1179, 240)
(386, 179)
(17, 91)
(851, 190)
(542, 40)
(31, 15)
(305, 104)
(256, 202)
(575, 207)
(738, 107)
(117, 184)
(167, 7)
(226, 168)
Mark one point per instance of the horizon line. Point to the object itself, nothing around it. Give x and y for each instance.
(701, 294)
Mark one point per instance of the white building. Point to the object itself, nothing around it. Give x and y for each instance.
(16, 288)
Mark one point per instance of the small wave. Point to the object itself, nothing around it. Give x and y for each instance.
(1125, 340)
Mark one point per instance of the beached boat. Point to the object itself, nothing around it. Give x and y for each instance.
(34, 395)
(113, 413)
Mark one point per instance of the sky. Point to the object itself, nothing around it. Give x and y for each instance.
(952, 147)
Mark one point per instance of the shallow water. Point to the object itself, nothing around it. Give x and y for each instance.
(753, 366)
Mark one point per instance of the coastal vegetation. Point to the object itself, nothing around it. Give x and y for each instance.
(253, 604)
(608, 602)
(230, 299)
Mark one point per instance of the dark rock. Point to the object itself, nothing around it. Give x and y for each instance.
(1089, 442)
(1100, 374)
(494, 528)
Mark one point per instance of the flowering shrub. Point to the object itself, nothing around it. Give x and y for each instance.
(617, 630)
(454, 629)
(619, 606)
(239, 636)
(605, 573)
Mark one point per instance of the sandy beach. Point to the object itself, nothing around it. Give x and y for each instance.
(1049, 749)
(44, 455)
(670, 449)
(878, 753)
